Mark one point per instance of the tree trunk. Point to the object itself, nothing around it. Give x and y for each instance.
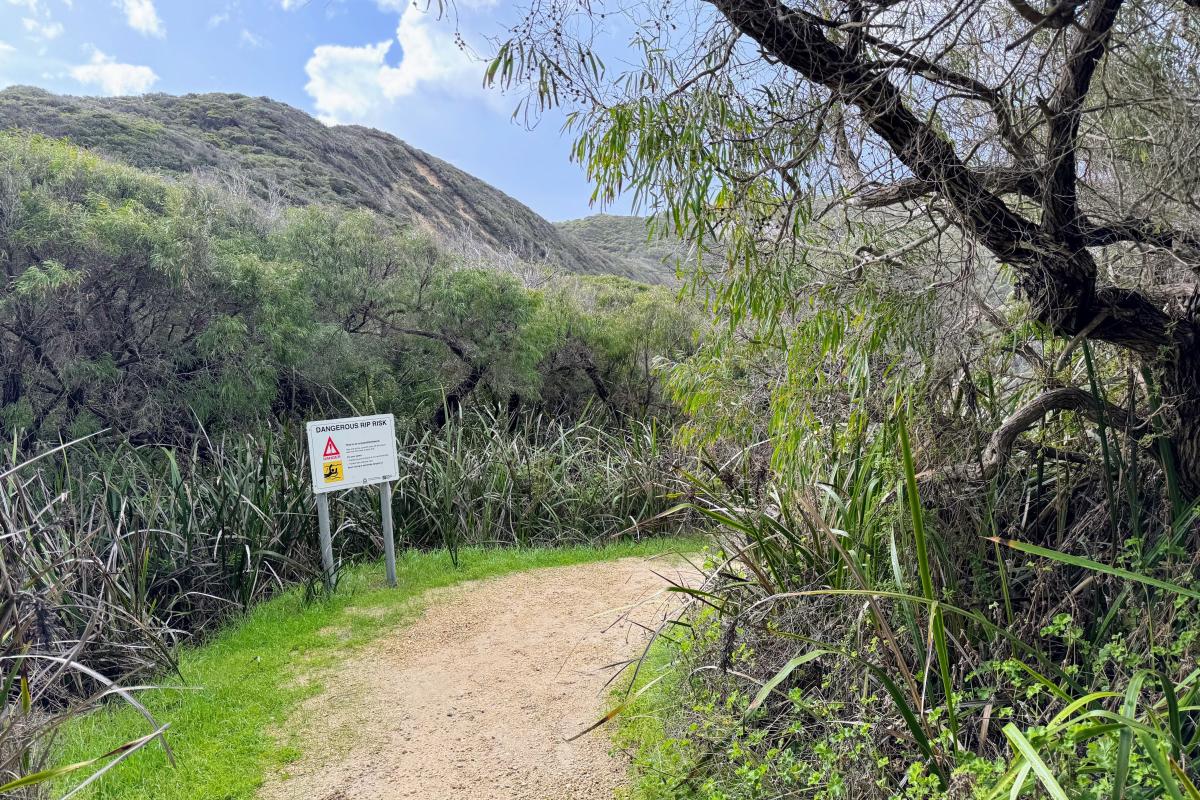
(455, 398)
(513, 411)
(10, 391)
(1056, 272)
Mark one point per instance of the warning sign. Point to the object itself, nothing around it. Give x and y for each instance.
(331, 450)
(356, 451)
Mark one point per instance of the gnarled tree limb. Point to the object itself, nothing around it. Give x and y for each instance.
(1060, 209)
(1006, 438)
(1000, 446)
(1000, 180)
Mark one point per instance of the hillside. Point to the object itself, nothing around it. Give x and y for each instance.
(283, 153)
(624, 240)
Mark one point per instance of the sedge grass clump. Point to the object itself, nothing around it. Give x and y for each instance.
(112, 554)
(872, 649)
(555, 482)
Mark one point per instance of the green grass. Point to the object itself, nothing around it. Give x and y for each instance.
(658, 760)
(235, 693)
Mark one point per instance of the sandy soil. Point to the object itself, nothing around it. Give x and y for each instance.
(476, 698)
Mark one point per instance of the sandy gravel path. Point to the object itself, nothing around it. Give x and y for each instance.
(476, 698)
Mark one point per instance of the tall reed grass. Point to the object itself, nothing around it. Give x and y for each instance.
(112, 554)
(874, 636)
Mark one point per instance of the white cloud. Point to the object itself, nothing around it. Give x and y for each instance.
(348, 82)
(39, 22)
(249, 39)
(5, 47)
(217, 20)
(112, 78)
(344, 81)
(142, 16)
(42, 31)
(332, 8)
(431, 57)
(400, 6)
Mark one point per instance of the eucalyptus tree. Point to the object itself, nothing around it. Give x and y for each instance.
(1051, 143)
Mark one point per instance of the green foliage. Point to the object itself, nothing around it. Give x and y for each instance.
(553, 483)
(1084, 712)
(117, 312)
(150, 308)
(41, 281)
(622, 334)
(636, 251)
(499, 320)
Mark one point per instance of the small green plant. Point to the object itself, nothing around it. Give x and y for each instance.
(856, 662)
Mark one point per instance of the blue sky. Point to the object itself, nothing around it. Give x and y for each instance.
(382, 63)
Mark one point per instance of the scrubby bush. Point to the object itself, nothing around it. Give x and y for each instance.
(156, 308)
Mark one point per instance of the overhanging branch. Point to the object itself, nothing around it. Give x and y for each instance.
(1000, 447)
(1142, 231)
(1000, 180)
(454, 345)
(1056, 273)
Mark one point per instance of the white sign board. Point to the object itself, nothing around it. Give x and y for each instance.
(350, 452)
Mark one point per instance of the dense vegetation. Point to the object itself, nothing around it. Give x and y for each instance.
(948, 422)
(953, 410)
(157, 309)
(649, 258)
(264, 149)
(162, 340)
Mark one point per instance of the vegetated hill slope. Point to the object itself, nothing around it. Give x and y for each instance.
(625, 241)
(283, 152)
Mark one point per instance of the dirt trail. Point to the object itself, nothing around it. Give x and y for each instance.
(476, 697)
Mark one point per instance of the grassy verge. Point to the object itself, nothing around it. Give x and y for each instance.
(236, 691)
(659, 761)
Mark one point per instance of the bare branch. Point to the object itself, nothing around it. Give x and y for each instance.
(454, 345)
(1141, 231)
(1059, 16)
(1006, 438)
(1000, 447)
(1002, 180)
(1060, 212)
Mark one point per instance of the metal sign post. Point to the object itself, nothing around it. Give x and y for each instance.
(326, 540)
(348, 453)
(389, 542)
